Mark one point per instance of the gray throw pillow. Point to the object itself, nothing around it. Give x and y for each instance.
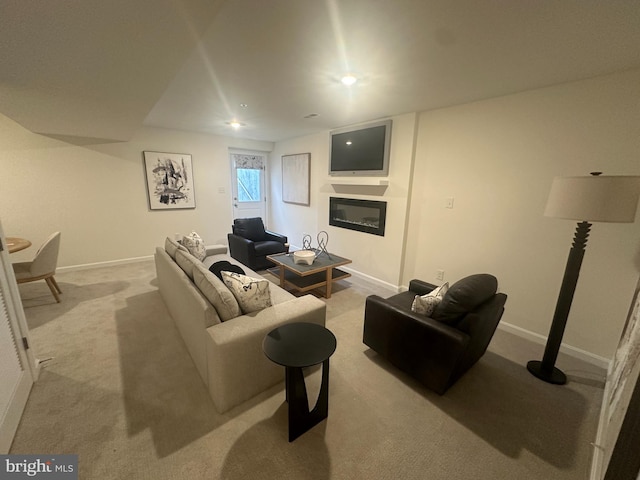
(217, 293)
(463, 296)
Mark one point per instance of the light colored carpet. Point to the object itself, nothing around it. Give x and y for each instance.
(122, 392)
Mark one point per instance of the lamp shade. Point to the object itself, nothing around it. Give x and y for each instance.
(594, 198)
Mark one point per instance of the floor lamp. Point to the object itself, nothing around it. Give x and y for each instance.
(588, 199)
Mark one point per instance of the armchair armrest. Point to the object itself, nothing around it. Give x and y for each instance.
(425, 348)
(241, 249)
(420, 287)
(275, 237)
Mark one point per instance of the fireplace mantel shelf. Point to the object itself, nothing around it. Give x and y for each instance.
(377, 182)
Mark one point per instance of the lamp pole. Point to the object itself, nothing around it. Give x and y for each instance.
(545, 370)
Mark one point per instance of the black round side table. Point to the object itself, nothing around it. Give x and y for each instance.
(295, 346)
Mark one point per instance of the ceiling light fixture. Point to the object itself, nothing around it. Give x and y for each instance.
(349, 80)
(235, 124)
(244, 105)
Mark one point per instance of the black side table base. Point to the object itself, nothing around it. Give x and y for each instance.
(301, 419)
(555, 376)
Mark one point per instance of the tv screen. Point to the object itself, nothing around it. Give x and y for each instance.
(362, 151)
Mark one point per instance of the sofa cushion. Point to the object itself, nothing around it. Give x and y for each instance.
(465, 295)
(223, 265)
(187, 262)
(195, 245)
(251, 228)
(426, 304)
(251, 293)
(217, 293)
(170, 246)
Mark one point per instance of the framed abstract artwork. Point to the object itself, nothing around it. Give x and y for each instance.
(615, 454)
(169, 180)
(296, 177)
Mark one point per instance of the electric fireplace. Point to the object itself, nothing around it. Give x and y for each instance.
(361, 215)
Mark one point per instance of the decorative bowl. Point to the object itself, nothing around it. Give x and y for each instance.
(304, 256)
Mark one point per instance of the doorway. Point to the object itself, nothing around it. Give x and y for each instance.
(248, 184)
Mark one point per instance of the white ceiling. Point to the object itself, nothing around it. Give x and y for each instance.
(104, 68)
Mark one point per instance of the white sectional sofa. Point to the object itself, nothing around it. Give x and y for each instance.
(227, 354)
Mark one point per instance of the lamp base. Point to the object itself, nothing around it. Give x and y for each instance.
(554, 376)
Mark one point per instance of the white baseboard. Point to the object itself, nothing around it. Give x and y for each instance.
(588, 357)
(371, 279)
(109, 263)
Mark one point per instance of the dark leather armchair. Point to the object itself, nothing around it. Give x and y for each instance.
(436, 351)
(250, 243)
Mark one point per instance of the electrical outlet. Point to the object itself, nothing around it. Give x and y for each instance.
(439, 274)
(448, 202)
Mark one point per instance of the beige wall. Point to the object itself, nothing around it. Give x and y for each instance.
(96, 195)
(497, 158)
(371, 254)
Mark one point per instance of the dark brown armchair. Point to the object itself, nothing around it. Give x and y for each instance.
(250, 243)
(435, 350)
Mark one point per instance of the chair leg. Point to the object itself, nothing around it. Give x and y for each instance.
(52, 288)
(55, 284)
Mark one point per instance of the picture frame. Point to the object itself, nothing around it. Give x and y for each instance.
(296, 177)
(169, 179)
(614, 457)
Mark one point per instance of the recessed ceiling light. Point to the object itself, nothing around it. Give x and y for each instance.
(244, 105)
(348, 142)
(235, 124)
(348, 80)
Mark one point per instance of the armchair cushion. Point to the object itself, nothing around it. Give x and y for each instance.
(464, 296)
(250, 228)
(268, 248)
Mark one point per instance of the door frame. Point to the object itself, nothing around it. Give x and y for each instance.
(264, 186)
(19, 330)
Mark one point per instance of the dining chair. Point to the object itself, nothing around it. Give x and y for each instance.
(43, 266)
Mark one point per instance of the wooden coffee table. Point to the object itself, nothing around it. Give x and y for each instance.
(321, 273)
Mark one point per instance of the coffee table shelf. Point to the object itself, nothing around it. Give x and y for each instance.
(322, 273)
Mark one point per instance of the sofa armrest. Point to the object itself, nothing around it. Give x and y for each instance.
(421, 346)
(275, 237)
(238, 368)
(215, 250)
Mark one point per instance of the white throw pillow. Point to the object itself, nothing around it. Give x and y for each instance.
(195, 245)
(426, 304)
(252, 294)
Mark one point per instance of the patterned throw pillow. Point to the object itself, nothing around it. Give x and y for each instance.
(195, 245)
(426, 304)
(251, 293)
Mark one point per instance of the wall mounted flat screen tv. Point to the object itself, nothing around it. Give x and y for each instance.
(361, 151)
